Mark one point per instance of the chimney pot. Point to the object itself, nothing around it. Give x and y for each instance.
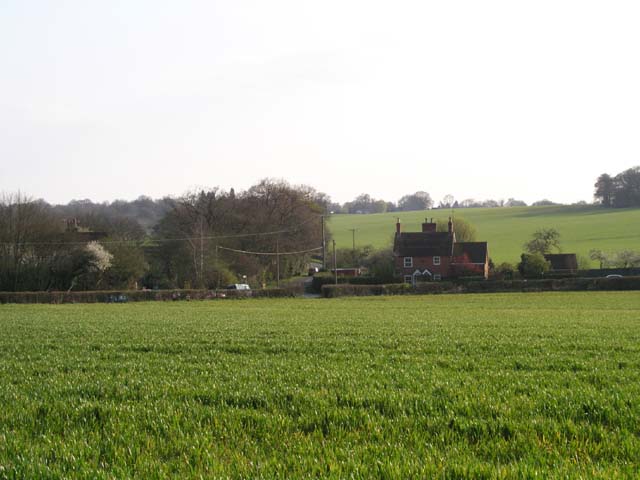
(428, 226)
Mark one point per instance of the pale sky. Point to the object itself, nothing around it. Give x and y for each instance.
(480, 99)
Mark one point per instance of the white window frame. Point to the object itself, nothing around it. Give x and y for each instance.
(408, 279)
(437, 277)
(436, 260)
(408, 264)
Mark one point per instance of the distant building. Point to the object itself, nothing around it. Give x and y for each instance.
(562, 262)
(75, 232)
(347, 272)
(431, 256)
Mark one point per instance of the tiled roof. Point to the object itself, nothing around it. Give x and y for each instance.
(470, 252)
(423, 244)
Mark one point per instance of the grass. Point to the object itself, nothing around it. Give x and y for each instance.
(466, 386)
(582, 228)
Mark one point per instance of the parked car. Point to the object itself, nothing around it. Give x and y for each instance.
(613, 275)
(238, 286)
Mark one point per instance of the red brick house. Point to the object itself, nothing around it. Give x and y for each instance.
(432, 256)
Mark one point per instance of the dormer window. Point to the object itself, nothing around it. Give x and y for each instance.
(408, 262)
(436, 260)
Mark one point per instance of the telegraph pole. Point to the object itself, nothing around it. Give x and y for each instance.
(201, 251)
(324, 246)
(335, 263)
(217, 267)
(277, 262)
(353, 234)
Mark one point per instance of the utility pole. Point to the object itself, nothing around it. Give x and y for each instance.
(217, 268)
(335, 263)
(324, 246)
(353, 234)
(277, 262)
(201, 251)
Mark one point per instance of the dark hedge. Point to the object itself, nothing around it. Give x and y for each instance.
(493, 286)
(121, 296)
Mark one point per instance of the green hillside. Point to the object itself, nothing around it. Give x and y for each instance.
(506, 229)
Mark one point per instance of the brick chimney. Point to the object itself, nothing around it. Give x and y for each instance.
(428, 226)
(398, 229)
(450, 225)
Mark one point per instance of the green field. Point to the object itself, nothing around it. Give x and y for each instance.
(506, 229)
(466, 386)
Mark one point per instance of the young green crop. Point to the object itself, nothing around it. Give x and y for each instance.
(467, 386)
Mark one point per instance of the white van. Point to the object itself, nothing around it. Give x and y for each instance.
(238, 286)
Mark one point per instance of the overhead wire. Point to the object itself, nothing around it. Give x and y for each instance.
(167, 240)
(270, 253)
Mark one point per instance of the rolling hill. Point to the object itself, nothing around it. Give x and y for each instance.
(582, 228)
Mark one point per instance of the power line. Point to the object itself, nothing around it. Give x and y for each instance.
(166, 240)
(270, 253)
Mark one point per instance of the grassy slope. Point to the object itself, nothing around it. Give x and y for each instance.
(506, 229)
(469, 386)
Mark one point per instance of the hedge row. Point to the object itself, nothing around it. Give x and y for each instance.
(496, 286)
(120, 296)
(349, 290)
(322, 279)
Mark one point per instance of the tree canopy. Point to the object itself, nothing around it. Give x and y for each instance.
(543, 241)
(465, 231)
(193, 243)
(622, 190)
(416, 201)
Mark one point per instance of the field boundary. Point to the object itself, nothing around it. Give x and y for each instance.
(490, 286)
(124, 296)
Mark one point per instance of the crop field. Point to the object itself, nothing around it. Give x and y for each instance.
(452, 386)
(581, 228)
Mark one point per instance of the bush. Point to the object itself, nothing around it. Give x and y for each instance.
(351, 290)
(473, 278)
(330, 291)
(533, 265)
(505, 271)
(364, 280)
(118, 296)
(333, 291)
(321, 279)
(499, 286)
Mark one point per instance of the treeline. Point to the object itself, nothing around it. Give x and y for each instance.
(365, 203)
(144, 211)
(198, 240)
(619, 191)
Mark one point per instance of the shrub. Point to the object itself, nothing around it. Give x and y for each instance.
(539, 285)
(533, 265)
(505, 271)
(103, 296)
(321, 279)
(347, 290)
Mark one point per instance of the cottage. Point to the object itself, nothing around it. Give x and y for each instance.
(430, 255)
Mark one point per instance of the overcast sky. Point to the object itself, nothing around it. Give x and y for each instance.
(480, 99)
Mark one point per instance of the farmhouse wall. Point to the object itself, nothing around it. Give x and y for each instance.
(422, 263)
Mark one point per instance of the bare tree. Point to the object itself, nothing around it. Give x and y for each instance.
(447, 201)
(27, 228)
